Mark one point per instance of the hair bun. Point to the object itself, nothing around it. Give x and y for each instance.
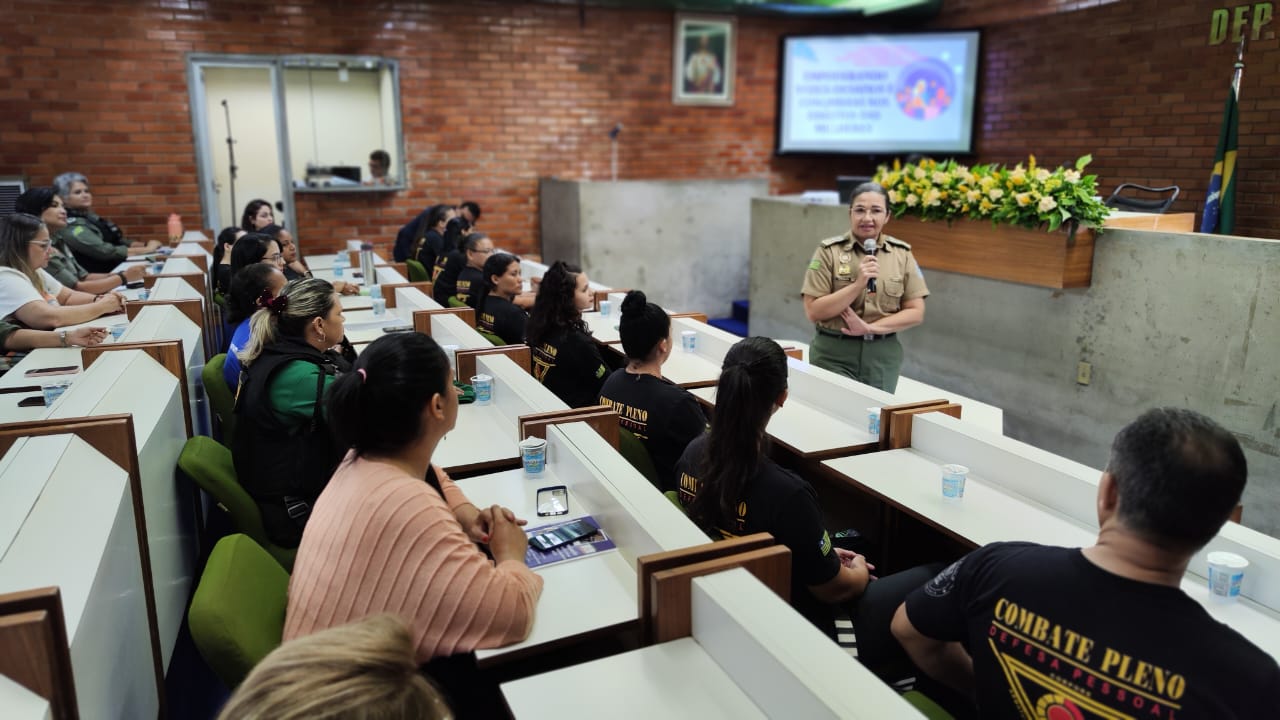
(634, 302)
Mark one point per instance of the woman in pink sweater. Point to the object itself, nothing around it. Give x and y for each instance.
(381, 540)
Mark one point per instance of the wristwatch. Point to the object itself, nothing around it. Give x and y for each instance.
(62, 335)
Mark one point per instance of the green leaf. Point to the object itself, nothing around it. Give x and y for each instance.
(1082, 161)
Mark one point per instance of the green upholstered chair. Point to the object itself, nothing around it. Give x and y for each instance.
(491, 337)
(455, 301)
(237, 612)
(674, 497)
(209, 464)
(417, 271)
(926, 706)
(636, 454)
(221, 398)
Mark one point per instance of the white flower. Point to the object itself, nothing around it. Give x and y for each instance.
(940, 177)
(995, 193)
(973, 195)
(1046, 204)
(919, 173)
(1042, 174)
(895, 196)
(933, 197)
(912, 200)
(1071, 176)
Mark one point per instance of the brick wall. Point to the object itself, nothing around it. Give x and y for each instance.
(1135, 83)
(497, 94)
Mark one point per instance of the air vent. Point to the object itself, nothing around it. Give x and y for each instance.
(10, 189)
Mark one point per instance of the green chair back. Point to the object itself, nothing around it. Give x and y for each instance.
(674, 497)
(636, 454)
(455, 301)
(209, 464)
(221, 397)
(491, 337)
(926, 705)
(417, 271)
(237, 612)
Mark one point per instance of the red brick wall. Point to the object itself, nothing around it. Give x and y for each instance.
(1133, 82)
(500, 94)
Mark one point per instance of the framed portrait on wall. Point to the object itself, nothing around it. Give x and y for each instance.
(704, 60)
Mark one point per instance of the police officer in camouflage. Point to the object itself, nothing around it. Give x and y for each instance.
(857, 329)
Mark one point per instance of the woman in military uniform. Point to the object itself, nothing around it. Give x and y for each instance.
(96, 242)
(857, 328)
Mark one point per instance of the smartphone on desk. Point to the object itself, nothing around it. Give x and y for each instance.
(135, 284)
(563, 535)
(553, 500)
(397, 328)
(45, 372)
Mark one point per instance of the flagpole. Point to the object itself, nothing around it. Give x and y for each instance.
(1239, 68)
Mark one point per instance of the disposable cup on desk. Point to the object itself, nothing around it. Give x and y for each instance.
(483, 385)
(379, 306)
(1226, 573)
(375, 291)
(606, 308)
(873, 421)
(156, 268)
(689, 340)
(953, 479)
(533, 455)
(116, 331)
(53, 389)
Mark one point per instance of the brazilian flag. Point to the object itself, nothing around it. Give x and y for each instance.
(1220, 205)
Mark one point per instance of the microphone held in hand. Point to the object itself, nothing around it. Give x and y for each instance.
(869, 247)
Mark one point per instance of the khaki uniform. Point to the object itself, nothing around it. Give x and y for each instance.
(835, 265)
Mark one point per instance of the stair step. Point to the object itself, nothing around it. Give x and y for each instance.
(729, 324)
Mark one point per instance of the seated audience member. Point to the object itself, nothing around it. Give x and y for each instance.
(1038, 631)
(381, 539)
(380, 169)
(96, 242)
(476, 248)
(283, 452)
(729, 486)
(469, 211)
(16, 341)
(495, 311)
(294, 267)
(31, 297)
(258, 282)
(429, 243)
(222, 258)
(664, 416)
(444, 276)
(253, 248)
(257, 215)
(45, 204)
(359, 671)
(451, 259)
(565, 358)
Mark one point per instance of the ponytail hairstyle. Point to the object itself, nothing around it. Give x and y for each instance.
(376, 409)
(247, 287)
(435, 214)
(225, 238)
(753, 376)
(453, 233)
(17, 232)
(250, 249)
(497, 264)
(287, 315)
(643, 326)
(554, 310)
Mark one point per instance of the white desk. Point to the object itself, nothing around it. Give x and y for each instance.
(988, 417)
(605, 329)
(677, 679)
(356, 302)
(66, 519)
(19, 703)
(810, 432)
(691, 369)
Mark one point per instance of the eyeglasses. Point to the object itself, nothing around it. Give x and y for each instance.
(42, 243)
(482, 252)
(873, 212)
(278, 259)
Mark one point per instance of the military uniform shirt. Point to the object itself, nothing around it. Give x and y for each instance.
(835, 265)
(63, 266)
(91, 249)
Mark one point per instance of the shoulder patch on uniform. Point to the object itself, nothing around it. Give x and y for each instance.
(825, 544)
(833, 241)
(896, 241)
(77, 230)
(600, 371)
(815, 264)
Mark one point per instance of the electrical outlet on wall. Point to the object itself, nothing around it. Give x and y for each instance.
(1084, 372)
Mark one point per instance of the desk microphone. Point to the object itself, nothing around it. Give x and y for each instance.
(869, 247)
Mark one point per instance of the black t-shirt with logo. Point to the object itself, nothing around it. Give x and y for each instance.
(502, 318)
(469, 280)
(663, 415)
(1053, 635)
(783, 504)
(570, 365)
(444, 276)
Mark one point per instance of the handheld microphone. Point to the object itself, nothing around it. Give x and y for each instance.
(869, 247)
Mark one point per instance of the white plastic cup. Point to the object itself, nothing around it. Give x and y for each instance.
(533, 455)
(483, 385)
(144, 294)
(116, 331)
(689, 340)
(53, 389)
(156, 268)
(606, 307)
(953, 478)
(375, 291)
(1226, 574)
(873, 421)
(379, 306)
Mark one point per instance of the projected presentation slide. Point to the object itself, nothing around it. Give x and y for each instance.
(878, 93)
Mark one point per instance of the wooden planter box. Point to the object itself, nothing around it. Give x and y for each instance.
(975, 247)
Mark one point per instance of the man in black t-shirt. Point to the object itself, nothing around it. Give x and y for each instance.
(1104, 631)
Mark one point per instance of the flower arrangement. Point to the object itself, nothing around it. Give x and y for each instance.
(1029, 197)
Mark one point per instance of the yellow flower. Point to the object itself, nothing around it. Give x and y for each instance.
(986, 206)
(941, 178)
(1023, 198)
(895, 196)
(973, 195)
